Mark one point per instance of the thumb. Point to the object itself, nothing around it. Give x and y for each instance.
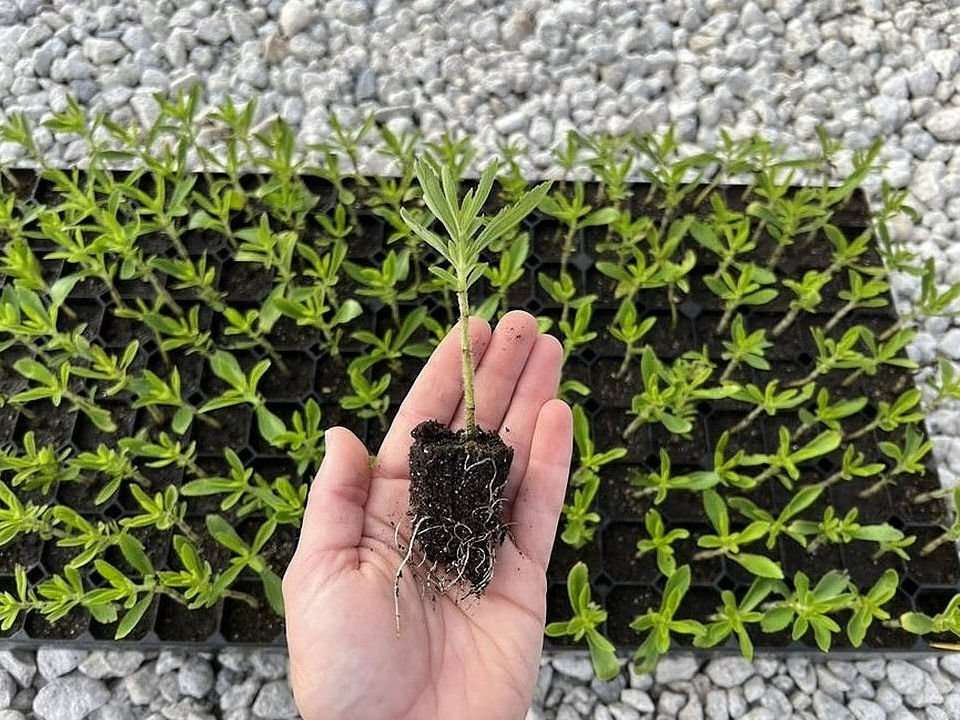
(333, 517)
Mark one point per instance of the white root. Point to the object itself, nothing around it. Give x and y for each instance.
(396, 578)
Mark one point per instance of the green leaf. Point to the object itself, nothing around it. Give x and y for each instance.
(758, 565)
(133, 553)
(916, 623)
(273, 590)
(226, 367)
(133, 616)
(578, 585)
(224, 534)
(269, 425)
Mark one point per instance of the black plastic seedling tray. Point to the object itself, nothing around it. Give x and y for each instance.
(624, 584)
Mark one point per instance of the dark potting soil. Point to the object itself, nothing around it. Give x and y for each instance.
(456, 499)
(176, 623)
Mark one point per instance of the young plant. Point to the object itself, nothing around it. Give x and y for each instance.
(587, 616)
(863, 294)
(628, 331)
(868, 606)
(369, 399)
(744, 348)
(394, 344)
(37, 468)
(732, 618)
(661, 542)
(56, 387)
(658, 624)
(728, 542)
(247, 556)
(747, 288)
(770, 400)
(303, 438)
(589, 461)
(384, 283)
(151, 390)
(842, 530)
(480, 457)
(908, 458)
(784, 523)
(783, 464)
(807, 608)
(581, 520)
(946, 621)
(659, 484)
(242, 389)
(806, 298)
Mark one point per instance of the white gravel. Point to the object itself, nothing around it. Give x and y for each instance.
(525, 70)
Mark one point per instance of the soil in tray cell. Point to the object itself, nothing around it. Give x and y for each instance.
(940, 567)
(26, 552)
(623, 604)
(249, 282)
(108, 631)
(233, 433)
(865, 569)
(618, 498)
(607, 427)
(243, 623)
(50, 425)
(176, 623)
(620, 557)
(565, 557)
(906, 488)
(74, 624)
(294, 384)
(612, 390)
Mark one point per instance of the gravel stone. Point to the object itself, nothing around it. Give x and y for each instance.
(675, 668)
(275, 701)
(866, 710)
(21, 665)
(110, 664)
(619, 711)
(8, 689)
(295, 17)
(717, 705)
(71, 697)
(669, 703)
(728, 672)
(195, 678)
(638, 700)
(826, 708)
(945, 124)
(53, 662)
(905, 678)
(608, 692)
(575, 666)
(102, 51)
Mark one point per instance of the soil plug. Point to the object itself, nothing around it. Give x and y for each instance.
(457, 478)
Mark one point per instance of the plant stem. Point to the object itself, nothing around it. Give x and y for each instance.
(876, 487)
(937, 542)
(786, 322)
(725, 320)
(707, 554)
(839, 315)
(469, 400)
(729, 369)
(932, 495)
(745, 423)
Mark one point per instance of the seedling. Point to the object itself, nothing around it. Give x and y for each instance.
(369, 398)
(732, 618)
(660, 623)
(55, 386)
(868, 607)
(243, 390)
(581, 520)
(247, 556)
(385, 283)
(807, 298)
(589, 461)
(475, 460)
(587, 616)
(659, 484)
(630, 332)
(661, 542)
(727, 542)
(807, 608)
(842, 530)
(746, 288)
(770, 400)
(947, 621)
(784, 523)
(908, 459)
(744, 347)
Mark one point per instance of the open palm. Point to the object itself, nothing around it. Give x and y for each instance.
(473, 658)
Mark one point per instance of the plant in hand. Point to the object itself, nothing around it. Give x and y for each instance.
(457, 478)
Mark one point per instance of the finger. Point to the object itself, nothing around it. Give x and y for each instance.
(500, 368)
(537, 385)
(542, 490)
(435, 395)
(333, 517)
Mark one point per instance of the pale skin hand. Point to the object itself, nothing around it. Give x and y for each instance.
(474, 659)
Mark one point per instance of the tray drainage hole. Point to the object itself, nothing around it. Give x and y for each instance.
(896, 522)
(36, 574)
(805, 359)
(726, 583)
(691, 309)
(246, 455)
(534, 307)
(909, 586)
(704, 409)
(591, 405)
(826, 465)
(603, 584)
(588, 355)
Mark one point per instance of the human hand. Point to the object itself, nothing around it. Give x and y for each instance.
(477, 658)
